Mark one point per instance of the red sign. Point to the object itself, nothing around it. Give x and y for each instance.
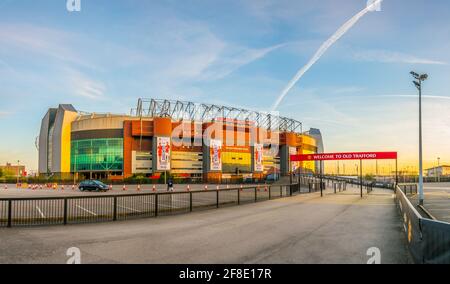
(345, 156)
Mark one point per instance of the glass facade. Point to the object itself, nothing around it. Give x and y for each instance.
(97, 155)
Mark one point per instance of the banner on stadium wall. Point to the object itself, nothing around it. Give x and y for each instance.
(294, 164)
(215, 155)
(258, 157)
(346, 156)
(163, 153)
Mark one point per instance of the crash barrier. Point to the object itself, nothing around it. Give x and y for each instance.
(99, 208)
(409, 188)
(428, 240)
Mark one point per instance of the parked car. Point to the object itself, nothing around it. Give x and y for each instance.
(92, 185)
(272, 177)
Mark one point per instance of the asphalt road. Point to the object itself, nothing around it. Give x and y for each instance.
(301, 229)
(12, 191)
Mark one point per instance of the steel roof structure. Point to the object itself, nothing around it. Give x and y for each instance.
(183, 110)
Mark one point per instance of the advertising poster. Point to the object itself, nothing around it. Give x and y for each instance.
(163, 153)
(294, 164)
(258, 156)
(215, 155)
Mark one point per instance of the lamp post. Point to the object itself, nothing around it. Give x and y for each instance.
(418, 83)
(437, 171)
(18, 171)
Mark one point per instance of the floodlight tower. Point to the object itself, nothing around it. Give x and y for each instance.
(418, 83)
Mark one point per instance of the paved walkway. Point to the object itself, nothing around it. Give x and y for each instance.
(302, 229)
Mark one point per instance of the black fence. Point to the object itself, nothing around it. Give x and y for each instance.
(101, 208)
(428, 240)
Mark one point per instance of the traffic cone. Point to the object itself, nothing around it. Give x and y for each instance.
(6, 186)
(73, 187)
(206, 187)
(124, 188)
(241, 187)
(265, 188)
(62, 187)
(188, 188)
(217, 187)
(110, 187)
(228, 186)
(138, 187)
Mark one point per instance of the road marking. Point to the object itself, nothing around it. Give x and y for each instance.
(131, 209)
(40, 211)
(88, 211)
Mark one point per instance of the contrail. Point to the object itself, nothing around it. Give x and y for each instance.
(323, 48)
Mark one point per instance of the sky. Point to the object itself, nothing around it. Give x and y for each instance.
(237, 53)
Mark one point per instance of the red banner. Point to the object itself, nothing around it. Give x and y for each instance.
(345, 156)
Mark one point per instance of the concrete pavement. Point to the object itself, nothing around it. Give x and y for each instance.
(302, 229)
(436, 200)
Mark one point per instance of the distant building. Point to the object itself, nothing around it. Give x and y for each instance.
(13, 170)
(440, 171)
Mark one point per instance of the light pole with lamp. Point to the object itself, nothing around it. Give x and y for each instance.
(418, 83)
(437, 171)
(18, 172)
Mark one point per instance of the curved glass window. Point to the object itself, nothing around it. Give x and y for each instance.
(97, 155)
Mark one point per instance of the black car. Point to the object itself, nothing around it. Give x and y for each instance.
(92, 185)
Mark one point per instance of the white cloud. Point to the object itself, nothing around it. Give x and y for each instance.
(83, 86)
(235, 58)
(4, 113)
(385, 56)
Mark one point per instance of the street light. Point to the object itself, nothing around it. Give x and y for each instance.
(18, 171)
(438, 175)
(418, 83)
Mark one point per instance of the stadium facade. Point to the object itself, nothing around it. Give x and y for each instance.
(183, 139)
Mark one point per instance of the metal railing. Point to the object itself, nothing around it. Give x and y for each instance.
(428, 240)
(101, 208)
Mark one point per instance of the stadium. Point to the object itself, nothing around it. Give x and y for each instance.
(183, 140)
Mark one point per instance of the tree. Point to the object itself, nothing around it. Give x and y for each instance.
(1, 172)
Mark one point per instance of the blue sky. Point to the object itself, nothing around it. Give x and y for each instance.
(239, 53)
